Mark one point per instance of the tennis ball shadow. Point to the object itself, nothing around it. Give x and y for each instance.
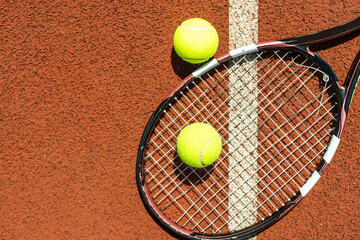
(181, 67)
(189, 175)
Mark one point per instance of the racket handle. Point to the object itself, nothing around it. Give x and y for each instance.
(326, 34)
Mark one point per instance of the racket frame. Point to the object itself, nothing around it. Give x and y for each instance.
(344, 96)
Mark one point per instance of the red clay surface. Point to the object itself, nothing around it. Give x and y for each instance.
(79, 81)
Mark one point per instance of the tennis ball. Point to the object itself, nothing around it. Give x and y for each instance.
(195, 40)
(199, 145)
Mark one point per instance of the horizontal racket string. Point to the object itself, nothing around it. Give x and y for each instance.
(215, 174)
(309, 162)
(285, 135)
(179, 114)
(194, 116)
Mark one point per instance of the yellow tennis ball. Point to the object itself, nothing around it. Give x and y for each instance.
(195, 40)
(199, 145)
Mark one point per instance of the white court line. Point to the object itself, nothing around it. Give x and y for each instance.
(243, 31)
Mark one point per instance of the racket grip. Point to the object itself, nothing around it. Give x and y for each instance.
(325, 35)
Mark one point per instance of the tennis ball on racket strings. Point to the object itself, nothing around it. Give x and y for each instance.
(199, 145)
(195, 40)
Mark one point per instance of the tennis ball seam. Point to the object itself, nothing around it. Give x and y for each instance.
(202, 150)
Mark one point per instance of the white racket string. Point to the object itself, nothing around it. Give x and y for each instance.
(290, 101)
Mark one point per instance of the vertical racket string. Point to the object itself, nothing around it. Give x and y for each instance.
(285, 184)
(194, 203)
(208, 188)
(310, 115)
(184, 193)
(198, 107)
(286, 120)
(306, 108)
(175, 122)
(284, 103)
(284, 170)
(269, 116)
(203, 94)
(261, 77)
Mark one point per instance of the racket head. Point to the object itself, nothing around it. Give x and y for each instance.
(194, 203)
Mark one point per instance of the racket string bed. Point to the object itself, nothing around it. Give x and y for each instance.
(271, 172)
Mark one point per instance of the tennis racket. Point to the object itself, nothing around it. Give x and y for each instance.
(280, 111)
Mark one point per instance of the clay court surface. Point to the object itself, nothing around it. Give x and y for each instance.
(79, 81)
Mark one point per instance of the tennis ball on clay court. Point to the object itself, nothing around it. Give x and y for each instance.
(199, 145)
(195, 40)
